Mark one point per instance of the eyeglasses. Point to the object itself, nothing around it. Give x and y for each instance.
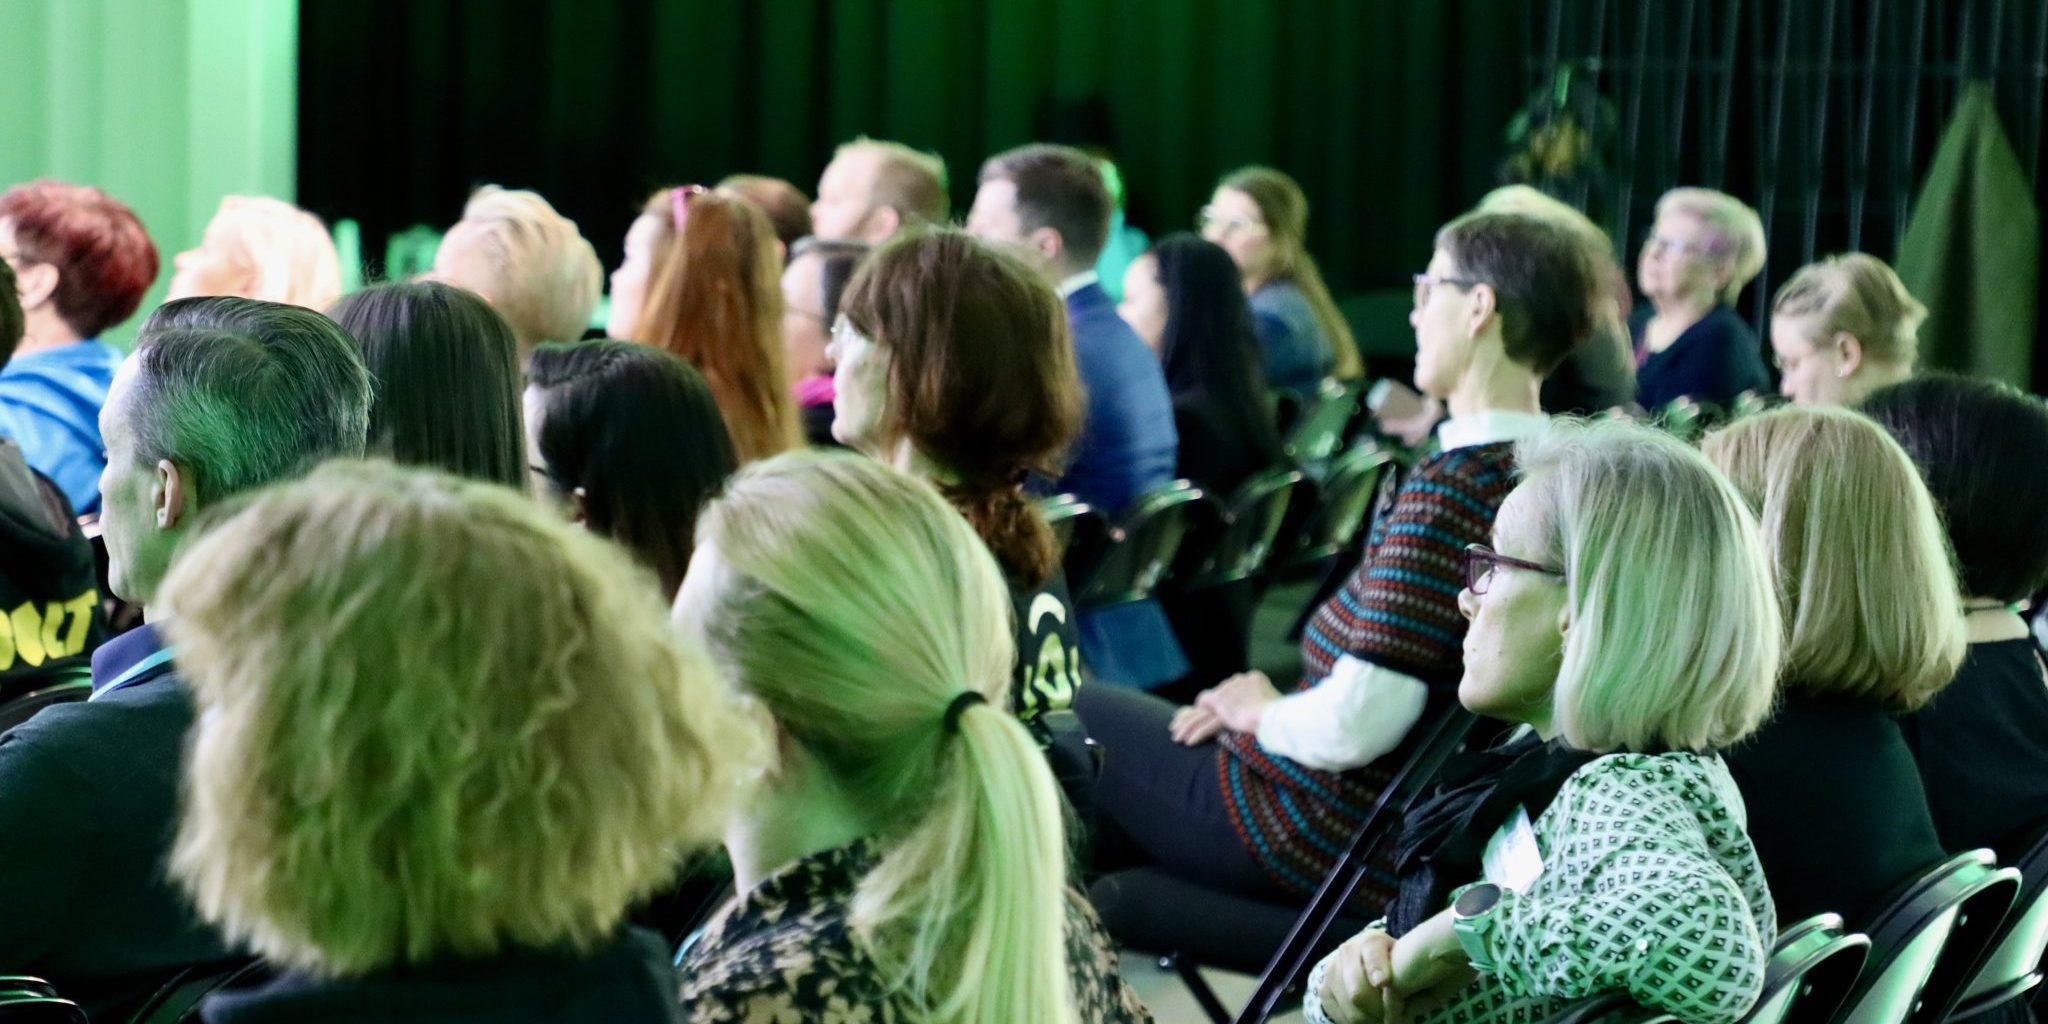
(1481, 561)
(1657, 245)
(808, 314)
(1209, 218)
(1425, 283)
(679, 203)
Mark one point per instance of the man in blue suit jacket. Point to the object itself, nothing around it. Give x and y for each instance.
(1051, 201)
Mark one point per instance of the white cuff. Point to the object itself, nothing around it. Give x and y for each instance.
(1358, 714)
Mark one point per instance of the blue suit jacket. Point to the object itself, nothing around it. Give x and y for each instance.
(1128, 444)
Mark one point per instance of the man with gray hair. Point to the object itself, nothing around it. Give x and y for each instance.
(221, 396)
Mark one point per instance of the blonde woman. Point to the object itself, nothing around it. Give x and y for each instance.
(904, 856)
(444, 740)
(1623, 611)
(1704, 247)
(261, 248)
(1843, 328)
(1874, 627)
(1260, 217)
(529, 262)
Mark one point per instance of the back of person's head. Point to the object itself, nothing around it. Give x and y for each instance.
(631, 437)
(415, 696)
(262, 248)
(788, 209)
(1856, 294)
(981, 379)
(12, 323)
(446, 370)
(529, 262)
(1735, 234)
(1544, 286)
(103, 258)
(857, 608)
(1209, 349)
(1674, 642)
(714, 297)
(910, 181)
(1872, 609)
(1284, 208)
(1979, 445)
(1061, 188)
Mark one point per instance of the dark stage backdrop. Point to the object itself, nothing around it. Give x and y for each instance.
(1389, 113)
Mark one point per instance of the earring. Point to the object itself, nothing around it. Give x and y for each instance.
(1842, 373)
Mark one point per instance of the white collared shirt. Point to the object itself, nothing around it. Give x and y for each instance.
(1489, 427)
(1077, 282)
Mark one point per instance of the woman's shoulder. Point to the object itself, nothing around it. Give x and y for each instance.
(1631, 783)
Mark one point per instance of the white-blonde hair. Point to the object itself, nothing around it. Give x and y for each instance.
(288, 251)
(435, 722)
(527, 260)
(1735, 231)
(857, 606)
(1856, 293)
(1863, 567)
(1674, 641)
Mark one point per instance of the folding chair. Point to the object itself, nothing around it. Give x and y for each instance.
(1942, 910)
(1809, 973)
(1320, 430)
(2011, 966)
(177, 1000)
(1141, 549)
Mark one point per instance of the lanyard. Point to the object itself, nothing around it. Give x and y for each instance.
(134, 673)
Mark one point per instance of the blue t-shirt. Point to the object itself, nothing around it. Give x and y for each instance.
(1291, 343)
(50, 405)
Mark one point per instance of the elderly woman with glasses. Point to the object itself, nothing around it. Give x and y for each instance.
(1703, 248)
(1614, 853)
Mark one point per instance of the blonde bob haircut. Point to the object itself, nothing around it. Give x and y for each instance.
(435, 722)
(287, 251)
(1674, 641)
(1863, 567)
(856, 605)
(1736, 231)
(529, 262)
(1857, 294)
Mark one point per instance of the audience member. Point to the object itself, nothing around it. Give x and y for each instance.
(1049, 203)
(1843, 328)
(529, 262)
(1872, 628)
(49, 593)
(446, 371)
(435, 797)
(222, 396)
(1260, 217)
(261, 248)
(873, 189)
(626, 440)
(81, 262)
(1690, 343)
(1982, 743)
(700, 280)
(1255, 793)
(788, 209)
(812, 283)
(1180, 299)
(1601, 374)
(934, 325)
(905, 853)
(1624, 614)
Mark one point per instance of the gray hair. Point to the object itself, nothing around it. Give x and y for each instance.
(241, 393)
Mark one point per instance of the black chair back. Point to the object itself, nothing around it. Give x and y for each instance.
(74, 684)
(1320, 429)
(2011, 966)
(177, 1000)
(1250, 523)
(40, 1010)
(1141, 549)
(1062, 512)
(1908, 938)
(1810, 972)
(1346, 499)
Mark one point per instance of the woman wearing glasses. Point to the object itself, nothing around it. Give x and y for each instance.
(1630, 660)
(1260, 217)
(1703, 248)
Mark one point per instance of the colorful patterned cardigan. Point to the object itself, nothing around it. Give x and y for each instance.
(1399, 611)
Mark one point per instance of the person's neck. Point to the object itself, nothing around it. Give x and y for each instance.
(800, 814)
(1682, 311)
(45, 331)
(1872, 376)
(1986, 621)
(906, 457)
(1254, 282)
(1495, 383)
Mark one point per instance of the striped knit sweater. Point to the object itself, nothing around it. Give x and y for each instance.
(1399, 611)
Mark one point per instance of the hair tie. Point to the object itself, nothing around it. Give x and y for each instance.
(960, 704)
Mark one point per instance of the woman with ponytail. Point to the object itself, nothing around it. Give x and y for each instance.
(954, 363)
(903, 856)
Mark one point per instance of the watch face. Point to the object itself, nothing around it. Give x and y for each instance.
(1477, 900)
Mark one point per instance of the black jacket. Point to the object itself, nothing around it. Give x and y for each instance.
(50, 618)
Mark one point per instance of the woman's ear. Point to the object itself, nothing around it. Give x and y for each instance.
(1848, 353)
(1483, 303)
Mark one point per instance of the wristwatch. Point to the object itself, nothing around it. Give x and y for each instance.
(1472, 919)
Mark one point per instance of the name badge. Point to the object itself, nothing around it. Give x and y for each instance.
(1512, 859)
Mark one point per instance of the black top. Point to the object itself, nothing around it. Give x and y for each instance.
(1835, 807)
(49, 594)
(629, 981)
(817, 421)
(1599, 375)
(1982, 746)
(1714, 360)
(1216, 457)
(1048, 648)
(88, 807)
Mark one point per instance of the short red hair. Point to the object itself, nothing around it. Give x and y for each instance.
(104, 259)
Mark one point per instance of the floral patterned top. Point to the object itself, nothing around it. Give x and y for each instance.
(785, 953)
(1649, 886)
